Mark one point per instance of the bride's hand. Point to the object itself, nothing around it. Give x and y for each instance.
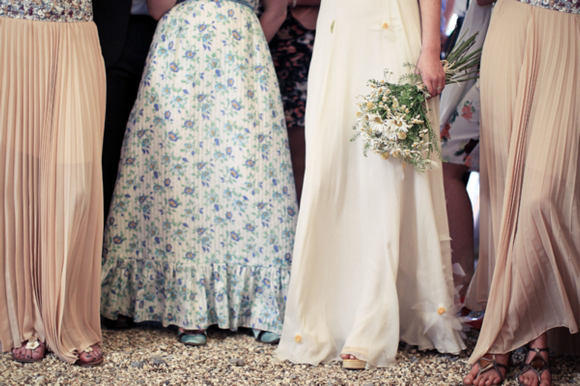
(431, 70)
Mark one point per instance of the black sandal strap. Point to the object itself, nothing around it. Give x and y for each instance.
(530, 367)
(491, 365)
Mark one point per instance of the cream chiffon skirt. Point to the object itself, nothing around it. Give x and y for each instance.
(372, 261)
(52, 104)
(529, 269)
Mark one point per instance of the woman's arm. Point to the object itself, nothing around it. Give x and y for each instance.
(429, 65)
(275, 12)
(158, 8)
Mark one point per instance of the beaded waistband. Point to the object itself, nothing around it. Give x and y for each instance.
(48, 10)
(568, 6)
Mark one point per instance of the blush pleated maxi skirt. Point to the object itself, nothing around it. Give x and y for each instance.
(529, 268)
(52, 105)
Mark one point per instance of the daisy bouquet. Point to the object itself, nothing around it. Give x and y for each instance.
(392, 120)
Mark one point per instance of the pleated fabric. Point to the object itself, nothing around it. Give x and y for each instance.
(372, 262)
(52, 104)
(529, 268)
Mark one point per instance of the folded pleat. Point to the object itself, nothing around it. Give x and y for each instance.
(52, 99)
(530, 254)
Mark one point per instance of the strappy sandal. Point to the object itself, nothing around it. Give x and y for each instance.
(95, 362)
(32, 344)
(538, 364)
(491, 365)
(192, 338)
(266, 336)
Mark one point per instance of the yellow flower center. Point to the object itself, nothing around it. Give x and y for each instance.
(441, 310)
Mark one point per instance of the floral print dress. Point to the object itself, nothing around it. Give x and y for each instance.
(460, 134)
(291, 52)
(201, 226)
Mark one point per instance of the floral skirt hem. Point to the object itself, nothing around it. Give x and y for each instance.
(196, 296)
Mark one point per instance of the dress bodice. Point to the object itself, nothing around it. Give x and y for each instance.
(569, 6)
(48, 10)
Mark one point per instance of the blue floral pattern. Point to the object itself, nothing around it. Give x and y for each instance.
(202, 222)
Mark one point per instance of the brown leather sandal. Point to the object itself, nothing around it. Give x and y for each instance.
(490, 364)
(32, 344)
(93, 362)
(538, 364)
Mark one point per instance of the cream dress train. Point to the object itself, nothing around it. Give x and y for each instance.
(372, 262)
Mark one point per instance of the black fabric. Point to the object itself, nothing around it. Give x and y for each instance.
(112, 20)
(125, 41)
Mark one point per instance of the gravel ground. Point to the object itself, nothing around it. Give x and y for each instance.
(146, 356)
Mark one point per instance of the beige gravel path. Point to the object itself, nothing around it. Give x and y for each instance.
(144, 356)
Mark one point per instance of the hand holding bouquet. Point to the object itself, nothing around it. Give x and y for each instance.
(392, 120)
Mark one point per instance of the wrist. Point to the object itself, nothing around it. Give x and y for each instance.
(430, 51)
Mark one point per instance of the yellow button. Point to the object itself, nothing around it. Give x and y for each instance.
(298, 339)
(385, 25)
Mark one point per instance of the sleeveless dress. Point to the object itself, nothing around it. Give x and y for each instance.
(372, 262)
(201, 225)
(529, 260)
(52, 112)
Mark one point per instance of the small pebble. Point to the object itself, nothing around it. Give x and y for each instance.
(138, 365)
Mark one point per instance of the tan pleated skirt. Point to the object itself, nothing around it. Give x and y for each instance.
(529, 269)
(52, 105)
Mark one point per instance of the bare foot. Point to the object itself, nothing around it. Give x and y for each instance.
(32, 351)
(91, 357)
(347, 356)
(491, 376)
(529, 376)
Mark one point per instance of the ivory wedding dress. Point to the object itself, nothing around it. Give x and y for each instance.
(372, 262)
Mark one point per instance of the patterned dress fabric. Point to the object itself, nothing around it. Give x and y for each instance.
(529, 256)
(291, 52)
(201, 226)
(52, 112)
(460, 106)
(460, 134)
(48, 10)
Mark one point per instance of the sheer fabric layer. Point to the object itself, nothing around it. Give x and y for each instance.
(372, 260)
(530, 221)
(52, 104)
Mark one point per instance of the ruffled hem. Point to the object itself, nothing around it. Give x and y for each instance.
(196, 296)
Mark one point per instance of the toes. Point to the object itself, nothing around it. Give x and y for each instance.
(38, 353)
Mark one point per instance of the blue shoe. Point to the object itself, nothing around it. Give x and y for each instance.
(266, 336)
(192, 338)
